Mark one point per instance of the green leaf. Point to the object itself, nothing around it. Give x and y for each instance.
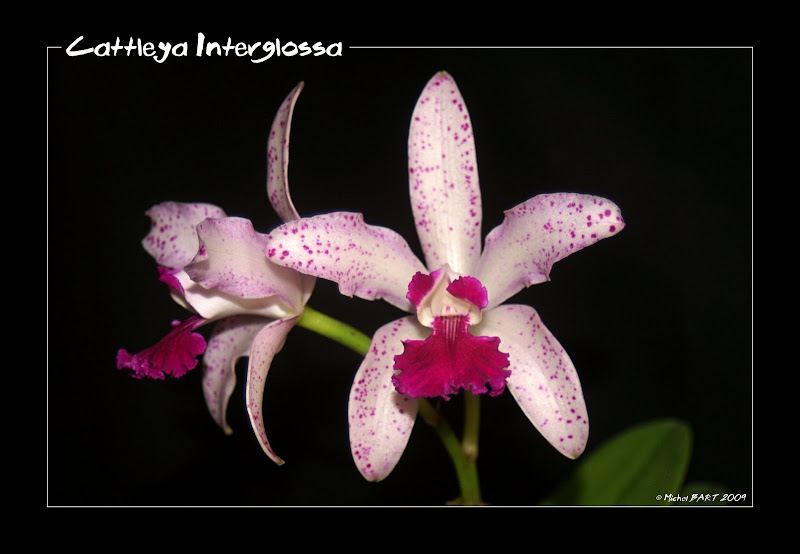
(631, 469)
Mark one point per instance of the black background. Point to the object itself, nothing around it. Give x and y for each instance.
(657, 319)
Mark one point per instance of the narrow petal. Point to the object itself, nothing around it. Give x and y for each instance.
(213, 304)
(443, 178)
(543, 380)
(366, 261)
(278, 173)
(231, 339)
(172, 239)
(173, 355)
(536, 234)
(267, 343)
(278, 159)
(232, 260)
(380, 418)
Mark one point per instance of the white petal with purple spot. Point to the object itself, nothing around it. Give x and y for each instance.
(267, 343)
(232, 259)
(536, 234)
(380, 418)
(278, 159)
(543, 379)
(231, 339)
(172, 239)
(366, 261)
(443, 178)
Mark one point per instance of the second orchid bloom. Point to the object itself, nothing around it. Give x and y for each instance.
(216, 267)
(461, 335)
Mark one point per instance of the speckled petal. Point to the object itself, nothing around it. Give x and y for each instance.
(213, 304)
(232, 260)
(366, 261)
(172, 239)
(380, 418)
(443, 178)
(278, 159)
(267, 343)
(536, 234)
(278, 172)
(543, 379)
(231, 339)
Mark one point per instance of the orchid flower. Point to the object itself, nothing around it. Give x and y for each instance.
(461, 336)
(216, 267)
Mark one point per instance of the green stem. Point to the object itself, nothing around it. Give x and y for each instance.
(335, 330)
(472, 420)
(466, 469)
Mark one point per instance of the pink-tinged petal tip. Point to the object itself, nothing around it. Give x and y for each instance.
(451, 359)
(168, 277)
(421, 284)
(174, 355)
(470, 290)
